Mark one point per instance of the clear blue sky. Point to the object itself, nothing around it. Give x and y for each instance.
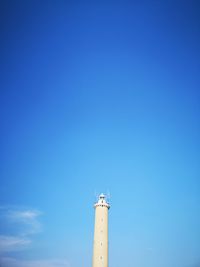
(97, 96)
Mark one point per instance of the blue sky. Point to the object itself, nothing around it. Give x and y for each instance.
(100, 96)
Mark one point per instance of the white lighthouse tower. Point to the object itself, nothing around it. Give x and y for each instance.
(100, 249)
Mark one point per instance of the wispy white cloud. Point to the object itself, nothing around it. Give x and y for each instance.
(11, 262)
(23, 222)
(12, 243)
(28, 217)
(24, 214)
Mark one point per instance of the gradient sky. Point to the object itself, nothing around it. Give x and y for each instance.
(100, 96)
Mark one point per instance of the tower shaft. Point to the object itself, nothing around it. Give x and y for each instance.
(100, 249)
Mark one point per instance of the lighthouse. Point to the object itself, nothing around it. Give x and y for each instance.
(100, 248)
